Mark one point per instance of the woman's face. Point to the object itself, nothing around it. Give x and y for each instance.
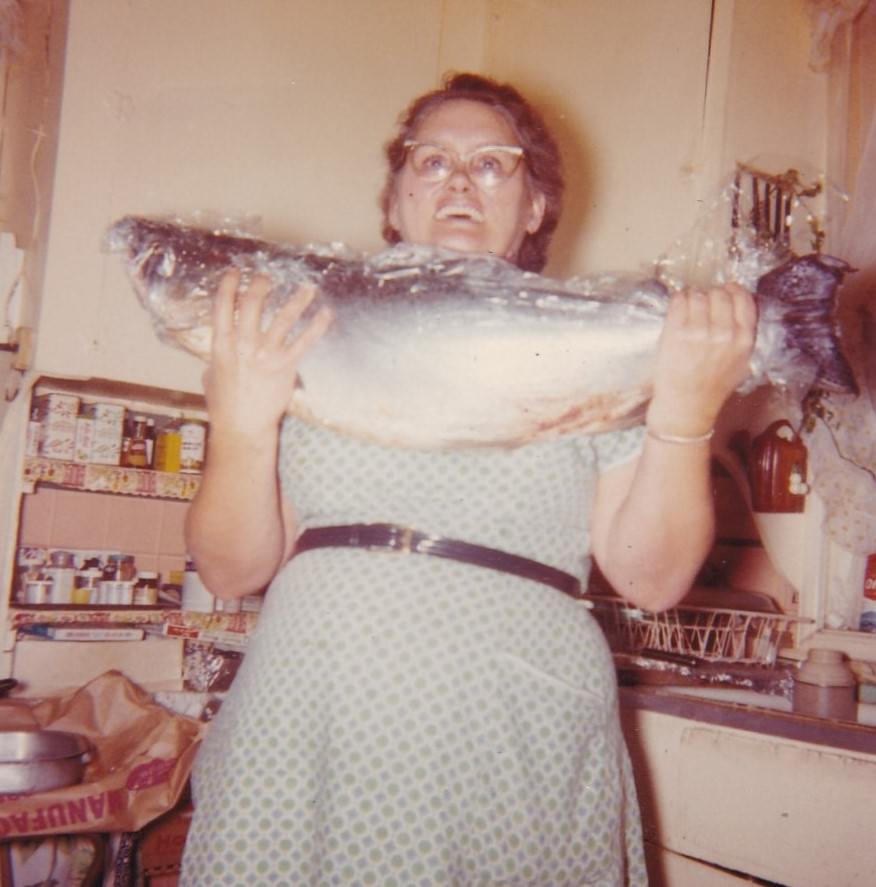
(456, 212)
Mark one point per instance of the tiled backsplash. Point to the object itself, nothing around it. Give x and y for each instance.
(149, 529)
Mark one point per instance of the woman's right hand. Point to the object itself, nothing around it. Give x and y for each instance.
(252, 372)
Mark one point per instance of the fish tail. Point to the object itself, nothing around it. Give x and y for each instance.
(804, 290)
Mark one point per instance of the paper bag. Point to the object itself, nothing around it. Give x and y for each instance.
(142, 758)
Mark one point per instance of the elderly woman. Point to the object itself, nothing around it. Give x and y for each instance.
(405, 720)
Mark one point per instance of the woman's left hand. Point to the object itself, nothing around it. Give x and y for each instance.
(702, 357)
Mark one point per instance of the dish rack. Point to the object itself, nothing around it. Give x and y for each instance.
(709, 633)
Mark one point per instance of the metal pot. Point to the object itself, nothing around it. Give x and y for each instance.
(41, 760)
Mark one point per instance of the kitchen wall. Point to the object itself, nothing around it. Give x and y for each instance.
(150, 529)
(279, 110)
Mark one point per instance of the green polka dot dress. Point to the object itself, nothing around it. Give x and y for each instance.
(407, 721)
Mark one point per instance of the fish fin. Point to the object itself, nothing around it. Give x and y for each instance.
(804, 289)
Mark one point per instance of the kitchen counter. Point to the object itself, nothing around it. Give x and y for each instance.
(731, 791)
(766, 721)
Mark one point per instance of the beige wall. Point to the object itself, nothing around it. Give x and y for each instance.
(280, 109)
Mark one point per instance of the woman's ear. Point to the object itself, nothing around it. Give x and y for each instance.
(392, 211)
(538, 203)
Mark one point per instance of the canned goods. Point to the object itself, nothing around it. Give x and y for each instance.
(115, 592)
(62, 579)
(38, 591)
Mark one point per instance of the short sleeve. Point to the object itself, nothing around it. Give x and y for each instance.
(613, 448)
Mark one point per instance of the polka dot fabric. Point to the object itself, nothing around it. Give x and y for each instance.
(412, 721)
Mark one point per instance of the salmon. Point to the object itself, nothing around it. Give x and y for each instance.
(431, 348)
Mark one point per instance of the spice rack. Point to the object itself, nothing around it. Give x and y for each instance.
(102, 475)
(108, 479)
(81, 438)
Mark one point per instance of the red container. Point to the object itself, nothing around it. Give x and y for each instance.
(777, 470)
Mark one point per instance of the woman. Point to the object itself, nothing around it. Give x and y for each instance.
(421, 720)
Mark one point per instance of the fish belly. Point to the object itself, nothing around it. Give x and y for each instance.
(457, 384)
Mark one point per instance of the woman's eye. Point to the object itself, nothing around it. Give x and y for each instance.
(434, 162)
(489, 165)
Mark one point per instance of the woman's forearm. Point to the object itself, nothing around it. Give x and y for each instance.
(235, 529)
(238, 529)
(654, 542)
(654, 521)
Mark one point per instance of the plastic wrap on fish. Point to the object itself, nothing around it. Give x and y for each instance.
(433, 348)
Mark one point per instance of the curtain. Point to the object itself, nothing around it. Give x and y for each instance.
(842, 430)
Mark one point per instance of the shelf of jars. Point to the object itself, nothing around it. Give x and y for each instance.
(130, 622)
(108, 478)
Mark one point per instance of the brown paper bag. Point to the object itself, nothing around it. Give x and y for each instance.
(142, 759)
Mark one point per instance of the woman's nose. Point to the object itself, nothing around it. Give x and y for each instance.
(459, 179)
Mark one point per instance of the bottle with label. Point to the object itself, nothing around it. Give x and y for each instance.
(120, 568)
(86, 587)
(62, 572)
(137, 449)
(167, 448)
(193, 439)
(146, 589)
(150, 442)
(194, 593)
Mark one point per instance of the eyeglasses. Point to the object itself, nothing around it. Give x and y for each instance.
(487, 167)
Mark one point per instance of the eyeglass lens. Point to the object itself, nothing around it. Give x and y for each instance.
(488, 166)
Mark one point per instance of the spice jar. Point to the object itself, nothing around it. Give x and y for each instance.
(38, 591)
(120, 568)
(137, 452)
(146, 589)
(86, 586)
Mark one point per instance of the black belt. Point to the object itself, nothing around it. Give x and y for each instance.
(389, 537)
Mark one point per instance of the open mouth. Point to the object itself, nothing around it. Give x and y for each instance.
(454, 212)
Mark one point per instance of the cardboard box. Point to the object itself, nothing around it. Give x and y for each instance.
(160, 846)
(84, 437)
(106, 441)
(57, 415)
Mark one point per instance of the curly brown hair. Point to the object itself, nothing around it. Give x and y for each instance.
(542, 157)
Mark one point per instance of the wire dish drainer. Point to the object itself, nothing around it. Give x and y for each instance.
(708, 633)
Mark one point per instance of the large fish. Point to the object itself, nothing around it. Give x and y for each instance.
(431, 348)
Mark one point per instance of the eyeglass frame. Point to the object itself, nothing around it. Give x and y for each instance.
(463, 161)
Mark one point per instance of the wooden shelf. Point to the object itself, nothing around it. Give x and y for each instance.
(224, 628)
(109, 479)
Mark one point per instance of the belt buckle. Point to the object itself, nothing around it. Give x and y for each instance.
(407, 540)
(402, 540)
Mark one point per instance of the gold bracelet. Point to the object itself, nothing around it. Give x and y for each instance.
(680, 438)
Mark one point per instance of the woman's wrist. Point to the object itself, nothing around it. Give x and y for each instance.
(676, 421)
(664, 437)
